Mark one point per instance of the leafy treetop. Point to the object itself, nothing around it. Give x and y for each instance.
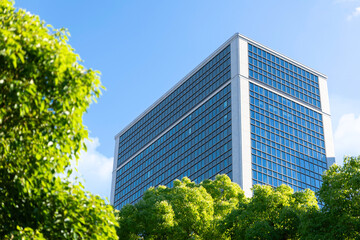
(44, 92)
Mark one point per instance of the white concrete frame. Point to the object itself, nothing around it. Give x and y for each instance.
(325, 107)
(240, 110)
(113, 179)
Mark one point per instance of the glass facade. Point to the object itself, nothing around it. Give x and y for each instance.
(287, 138)
(193, 91)
(198, 146)
(283, 76)
(190, 131)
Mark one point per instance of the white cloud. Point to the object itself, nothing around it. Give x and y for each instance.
(354, 14)
(347, 136)
(341, 105)
(95, 169)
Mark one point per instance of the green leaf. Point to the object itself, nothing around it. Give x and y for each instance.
(41, 78)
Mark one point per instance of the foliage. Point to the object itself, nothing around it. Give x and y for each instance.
(340, 196)
(186, 211)
(215, 210)
(181, 212)
(44, 91)
(226, 196)
(270, 214)
(219, 210)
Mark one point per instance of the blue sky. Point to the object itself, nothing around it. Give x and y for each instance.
(143, 48)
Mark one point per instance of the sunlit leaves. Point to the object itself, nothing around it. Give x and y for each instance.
(340, 195)
(186, 211)
(44, 92)
(216, 209)
(272, 213)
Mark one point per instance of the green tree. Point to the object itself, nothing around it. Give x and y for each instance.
(44, 91)
(182, 212)
(339, 194)
(216, 209)
(272, 213)
(222, 211)
(226, 196)
(186, 211)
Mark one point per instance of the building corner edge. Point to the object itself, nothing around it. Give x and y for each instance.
(113, 178)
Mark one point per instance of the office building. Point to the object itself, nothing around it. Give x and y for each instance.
(245, 111)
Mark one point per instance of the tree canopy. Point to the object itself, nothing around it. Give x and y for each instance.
(271, 213)
(44, 92)
(215, 210)
(339, 218)
(186, 211)
(218, 209)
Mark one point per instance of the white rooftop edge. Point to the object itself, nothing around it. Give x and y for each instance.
(218, 50)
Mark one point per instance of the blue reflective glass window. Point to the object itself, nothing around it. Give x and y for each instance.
(284, 76)
(198, 147)
(284, 144)
(194, 90)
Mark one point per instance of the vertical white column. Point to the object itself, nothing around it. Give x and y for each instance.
(235, 112)
(241, 149)
(325, 108)
(245, 119)
(113, 180)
